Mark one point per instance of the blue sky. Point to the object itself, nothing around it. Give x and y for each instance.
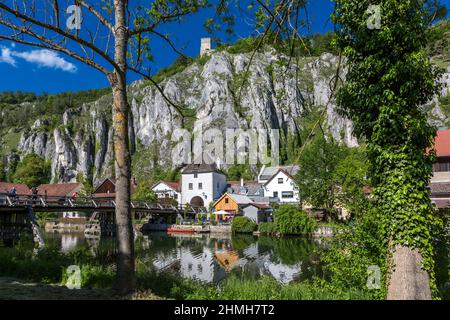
(27, 69)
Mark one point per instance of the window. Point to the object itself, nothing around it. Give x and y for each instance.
(200, 186)
(280, 180)
(287, 194)
(227, 200)
(191, 186)
(444, 166)
(195, 175)
(275, 194)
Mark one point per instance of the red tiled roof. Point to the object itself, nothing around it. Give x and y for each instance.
(20, 188)
(258, 205)
(173, 185)
(59, 190)
(133, 184)
(442, 143)
(261, 205)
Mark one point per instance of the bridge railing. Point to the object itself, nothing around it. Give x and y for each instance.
(92, 202)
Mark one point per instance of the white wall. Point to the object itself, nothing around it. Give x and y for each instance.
(161, 189)
(288, 185)
(213, 185)
(197, 267)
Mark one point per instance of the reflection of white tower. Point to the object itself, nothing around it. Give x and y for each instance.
(68, 242)
(284, 273)
(200, 267)
(205, 47)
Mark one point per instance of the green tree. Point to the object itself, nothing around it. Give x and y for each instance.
(32, 170)
(350, 177)
(2, 171)
(239, 171)
(292, 220)
(316, 177)
(143, 192)
(389, 77)
(128, 29)
(87, 187)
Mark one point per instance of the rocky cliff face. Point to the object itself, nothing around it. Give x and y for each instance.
(272, 96)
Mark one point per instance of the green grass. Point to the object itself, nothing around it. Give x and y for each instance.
(43, 275)
(267, 288)
(10, 141)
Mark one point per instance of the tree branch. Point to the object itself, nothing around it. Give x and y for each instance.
(63, 33)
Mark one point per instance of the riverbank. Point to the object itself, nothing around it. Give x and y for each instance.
(18, 289)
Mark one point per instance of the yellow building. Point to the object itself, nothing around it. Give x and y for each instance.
(231, 203)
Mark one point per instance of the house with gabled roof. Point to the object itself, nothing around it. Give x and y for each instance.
(107, 189)
(440, 182)
(231, 203)
(279, 184)
(167, 190)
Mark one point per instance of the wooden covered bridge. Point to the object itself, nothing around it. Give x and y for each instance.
(17, 212)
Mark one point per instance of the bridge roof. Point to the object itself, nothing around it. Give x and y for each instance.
(59, 190)
(20, 188)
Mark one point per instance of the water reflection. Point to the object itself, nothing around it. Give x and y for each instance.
(211, 258)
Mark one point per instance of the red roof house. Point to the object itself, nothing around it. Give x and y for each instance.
(442, 143)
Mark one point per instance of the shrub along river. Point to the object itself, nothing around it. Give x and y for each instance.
(212, 258)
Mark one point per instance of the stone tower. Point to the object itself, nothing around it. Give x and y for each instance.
(205, 47)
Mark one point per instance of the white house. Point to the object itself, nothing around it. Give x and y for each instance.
(279, 184)
(201, 184)
(167, 190)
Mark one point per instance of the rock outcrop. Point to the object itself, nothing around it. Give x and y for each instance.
(228, 91)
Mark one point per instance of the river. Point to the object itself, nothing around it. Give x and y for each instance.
(211, 258)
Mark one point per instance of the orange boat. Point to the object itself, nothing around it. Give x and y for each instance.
(180, 230)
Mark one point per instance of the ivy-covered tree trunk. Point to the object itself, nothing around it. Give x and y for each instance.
(408, 280)
(389, 78)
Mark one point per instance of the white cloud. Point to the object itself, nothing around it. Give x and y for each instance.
(42, 58)
(6, 56)
(46, 58)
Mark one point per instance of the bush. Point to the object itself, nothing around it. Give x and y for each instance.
(268, 228)
(243, 225)
(291, 220)
(353, 249)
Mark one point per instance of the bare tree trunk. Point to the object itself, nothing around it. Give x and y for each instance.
(125, 281)
(408, 281)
